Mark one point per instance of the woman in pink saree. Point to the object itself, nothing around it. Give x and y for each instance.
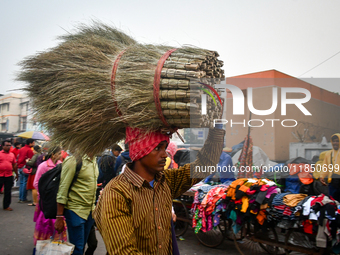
(44, 228)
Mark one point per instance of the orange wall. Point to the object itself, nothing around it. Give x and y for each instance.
(324, 107)
(273, 77)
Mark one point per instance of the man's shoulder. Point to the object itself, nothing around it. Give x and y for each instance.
(7, 155)
(12, 154)
(120, 185)
(125, 155)
(118, 182)
(69, 160)
(179, 168)
(25, 149)
(328, 153)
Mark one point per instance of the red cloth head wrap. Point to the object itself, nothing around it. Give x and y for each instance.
(141, 143)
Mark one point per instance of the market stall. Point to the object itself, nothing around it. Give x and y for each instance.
(256, 211)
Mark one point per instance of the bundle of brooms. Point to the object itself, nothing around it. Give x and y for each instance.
(98, 81)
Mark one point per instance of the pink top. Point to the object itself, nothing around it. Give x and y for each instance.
(43, 168)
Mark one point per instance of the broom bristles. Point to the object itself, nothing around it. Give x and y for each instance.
(70, 87)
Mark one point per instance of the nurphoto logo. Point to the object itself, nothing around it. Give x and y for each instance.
(239, 103)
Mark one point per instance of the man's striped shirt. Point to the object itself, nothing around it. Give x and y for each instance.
(134, 218)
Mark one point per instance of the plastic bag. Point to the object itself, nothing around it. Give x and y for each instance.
(48, 247)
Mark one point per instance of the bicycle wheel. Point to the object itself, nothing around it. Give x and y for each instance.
(182, 214)
(212, 238)
(271, 235)
(229, 233)
(251, 241)
(306, 241)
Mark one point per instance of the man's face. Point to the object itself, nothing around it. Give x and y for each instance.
(155, 160)
(18, 146)
(32, 144)
(335, 143)
(116, 153)
(7, 146)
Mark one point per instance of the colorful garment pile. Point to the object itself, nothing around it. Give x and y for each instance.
(283, 207)
(317, 215)
(320, 216)
(236, 200)
(249, 198)
(259, 200)
(207, 208)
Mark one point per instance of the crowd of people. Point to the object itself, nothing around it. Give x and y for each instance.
(133, 209)
(26, 164)
(77, 196)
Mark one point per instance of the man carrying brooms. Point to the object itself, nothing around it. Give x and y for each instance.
(145, 90)
(133, 214)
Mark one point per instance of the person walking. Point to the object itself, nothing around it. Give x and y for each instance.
(106, 166)
(7, 166)
(332, 162)
(15, 149)
(116, 150)
(122, 159)
(25, 153)
(44, 151)
(44, 228)
(76, 200)
(33, 164)
(171, 150)
(133, 213)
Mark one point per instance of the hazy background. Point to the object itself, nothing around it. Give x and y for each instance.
(291, 36)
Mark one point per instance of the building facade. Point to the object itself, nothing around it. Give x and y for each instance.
(14, 113)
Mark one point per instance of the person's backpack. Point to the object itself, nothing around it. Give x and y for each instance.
(124, 161)
(48, 186)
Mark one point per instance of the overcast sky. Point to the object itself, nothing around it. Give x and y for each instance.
(291, 36)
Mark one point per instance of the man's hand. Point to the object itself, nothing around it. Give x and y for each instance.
(322, 180)
(59, 224)
(174, 217)
(16, 177)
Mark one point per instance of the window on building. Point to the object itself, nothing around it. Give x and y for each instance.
(5, 107)
(23, 123)
(24, 106)
(3, 127)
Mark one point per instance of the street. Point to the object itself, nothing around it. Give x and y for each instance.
(16, 235)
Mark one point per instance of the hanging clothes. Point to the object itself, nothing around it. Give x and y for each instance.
(246, 159)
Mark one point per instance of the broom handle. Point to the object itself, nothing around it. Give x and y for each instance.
(156, 85)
